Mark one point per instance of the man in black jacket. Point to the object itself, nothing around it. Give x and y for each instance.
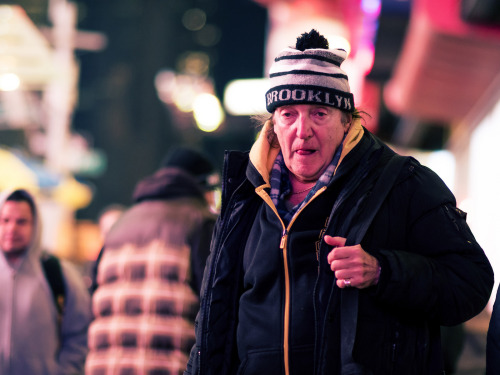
(331, 254)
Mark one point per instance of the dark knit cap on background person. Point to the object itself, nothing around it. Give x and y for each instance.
(309, 74)
(195, 163)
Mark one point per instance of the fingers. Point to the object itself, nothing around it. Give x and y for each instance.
(344, 283)
(353, 267)
(340, 259)
(334, 241)
(347, 278)
(339, 251)
(360, 272)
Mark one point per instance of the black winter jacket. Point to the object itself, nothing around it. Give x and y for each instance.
(270, 304)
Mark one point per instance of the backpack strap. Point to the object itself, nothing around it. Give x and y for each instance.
(53, 273)
(349, 296)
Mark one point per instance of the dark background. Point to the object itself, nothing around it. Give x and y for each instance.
(119, 110)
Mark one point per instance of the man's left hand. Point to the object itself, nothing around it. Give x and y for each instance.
(353, 266)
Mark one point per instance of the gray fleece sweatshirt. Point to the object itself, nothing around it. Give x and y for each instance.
(30, 342)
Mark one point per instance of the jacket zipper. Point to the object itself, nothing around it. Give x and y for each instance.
(283, 247)
(286, 328)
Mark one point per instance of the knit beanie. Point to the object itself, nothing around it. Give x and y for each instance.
(309, 74)
(195, 163)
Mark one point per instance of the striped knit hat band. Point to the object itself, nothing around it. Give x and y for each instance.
(312, 76)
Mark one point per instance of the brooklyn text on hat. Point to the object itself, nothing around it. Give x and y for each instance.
(309, 76)
(286, 95)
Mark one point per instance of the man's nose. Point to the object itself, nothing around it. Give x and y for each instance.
(304, 129)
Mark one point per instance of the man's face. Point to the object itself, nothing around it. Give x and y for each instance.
(16, 227)
(308, 136)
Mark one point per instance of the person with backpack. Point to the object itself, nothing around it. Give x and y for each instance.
(44, 304)
(332, 254)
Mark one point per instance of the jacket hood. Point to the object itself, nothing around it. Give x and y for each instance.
(262, 155)
(168, 183)
(34, 248)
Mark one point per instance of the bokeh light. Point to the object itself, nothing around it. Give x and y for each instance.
(208, 112)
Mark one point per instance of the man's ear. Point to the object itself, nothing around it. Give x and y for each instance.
(269, 125)
(347, 123)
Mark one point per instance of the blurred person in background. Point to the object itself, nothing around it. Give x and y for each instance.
(331, 254)
(108, 216)
(150, 271)
(35, 336)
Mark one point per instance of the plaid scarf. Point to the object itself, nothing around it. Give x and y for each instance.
(281, 186)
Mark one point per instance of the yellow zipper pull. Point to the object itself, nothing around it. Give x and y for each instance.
(283, 239)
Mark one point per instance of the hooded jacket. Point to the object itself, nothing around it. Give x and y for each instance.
(149, 278)
(270, 304)
(31, 339)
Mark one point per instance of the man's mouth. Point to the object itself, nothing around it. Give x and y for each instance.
(305, 151)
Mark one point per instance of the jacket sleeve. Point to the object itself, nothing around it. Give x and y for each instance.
(76, 319)
(441, 273)
(192, 366)
(200, 248)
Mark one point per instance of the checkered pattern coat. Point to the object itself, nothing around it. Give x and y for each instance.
(145, 303)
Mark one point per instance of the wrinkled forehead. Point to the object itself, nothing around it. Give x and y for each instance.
(307, 106)
(343, 116)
